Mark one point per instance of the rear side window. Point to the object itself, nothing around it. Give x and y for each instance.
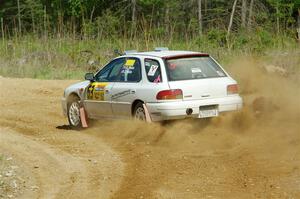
(193, 68)
(153, 70)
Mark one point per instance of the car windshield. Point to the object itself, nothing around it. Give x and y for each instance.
(193, 68)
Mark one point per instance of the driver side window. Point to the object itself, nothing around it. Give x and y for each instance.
(121, 70)
(109, 71)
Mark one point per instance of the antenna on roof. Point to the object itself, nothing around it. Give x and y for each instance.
(157, 49)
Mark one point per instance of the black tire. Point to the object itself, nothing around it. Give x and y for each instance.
(139, 112)
(74, 113)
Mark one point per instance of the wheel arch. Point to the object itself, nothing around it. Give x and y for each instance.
(134, 104)
(71, 97)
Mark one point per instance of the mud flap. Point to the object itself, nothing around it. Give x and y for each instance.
(83, 117)
(147, 114)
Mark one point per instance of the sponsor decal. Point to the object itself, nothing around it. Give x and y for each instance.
(152, 70)
(129, 63)
(120, 94)
(157, 80)
(96, 91)
(196, 70)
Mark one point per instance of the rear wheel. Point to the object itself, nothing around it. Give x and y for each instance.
(139, 112)
(74, 113)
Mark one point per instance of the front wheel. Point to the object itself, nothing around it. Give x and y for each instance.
(74, 114)
(139, 112)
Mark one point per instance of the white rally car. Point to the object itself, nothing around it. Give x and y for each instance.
(160, 85)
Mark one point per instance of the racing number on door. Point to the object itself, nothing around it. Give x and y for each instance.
(96, 91)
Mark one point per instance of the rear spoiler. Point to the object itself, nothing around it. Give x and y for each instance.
(186, 56)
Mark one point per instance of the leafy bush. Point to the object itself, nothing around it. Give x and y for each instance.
(217, 37)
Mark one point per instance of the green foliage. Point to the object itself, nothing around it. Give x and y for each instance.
(264, 38)
(241, 41)
(217, 37)
(65, 28)
(90, 18)
(76, 7)
(107, 24)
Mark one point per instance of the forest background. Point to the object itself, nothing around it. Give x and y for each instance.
(59, 39)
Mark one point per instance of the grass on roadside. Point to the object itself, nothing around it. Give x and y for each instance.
(66, 58)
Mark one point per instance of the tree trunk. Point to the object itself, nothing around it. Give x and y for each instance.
(45, 23)
(32, 20)
(60, 24)
(167, 18)
(231, 20)
(200, 16)
(133, 17)
(250, 14)
(92, 14)
(298, 28)
(277, 18)
(244, 13)
(205, 7)
(2, 30)
(19, 17)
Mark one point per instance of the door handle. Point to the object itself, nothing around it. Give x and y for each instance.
(132, 91)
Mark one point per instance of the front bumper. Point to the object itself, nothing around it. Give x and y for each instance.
(64, 106)
(177, 109)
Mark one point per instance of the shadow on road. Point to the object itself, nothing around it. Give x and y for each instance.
(65, 127)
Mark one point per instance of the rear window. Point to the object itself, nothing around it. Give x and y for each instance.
(193, 68)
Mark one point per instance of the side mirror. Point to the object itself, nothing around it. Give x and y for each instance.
(89, 76)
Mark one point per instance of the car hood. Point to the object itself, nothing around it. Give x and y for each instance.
(78, 85)
(74, 88)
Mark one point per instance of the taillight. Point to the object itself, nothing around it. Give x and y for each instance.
(169, 94)
(232, 89)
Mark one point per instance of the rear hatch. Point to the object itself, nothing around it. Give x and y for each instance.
(198, 76)
(203, 88)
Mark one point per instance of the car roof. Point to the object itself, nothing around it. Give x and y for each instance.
(166, 53)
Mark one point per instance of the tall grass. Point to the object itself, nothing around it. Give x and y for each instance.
(69, 58)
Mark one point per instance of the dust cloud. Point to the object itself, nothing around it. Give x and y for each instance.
(252, 153)
(271, 103)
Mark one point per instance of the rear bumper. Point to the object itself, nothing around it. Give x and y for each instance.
(177, 109)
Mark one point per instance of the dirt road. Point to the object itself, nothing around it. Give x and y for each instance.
(251, 154)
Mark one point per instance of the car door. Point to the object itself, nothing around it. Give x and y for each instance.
(124, 90)
(98, 93)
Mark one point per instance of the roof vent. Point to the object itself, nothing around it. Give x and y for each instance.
(127, 52)
(157, 49)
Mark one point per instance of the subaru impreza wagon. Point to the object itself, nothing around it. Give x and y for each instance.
(161, 84)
